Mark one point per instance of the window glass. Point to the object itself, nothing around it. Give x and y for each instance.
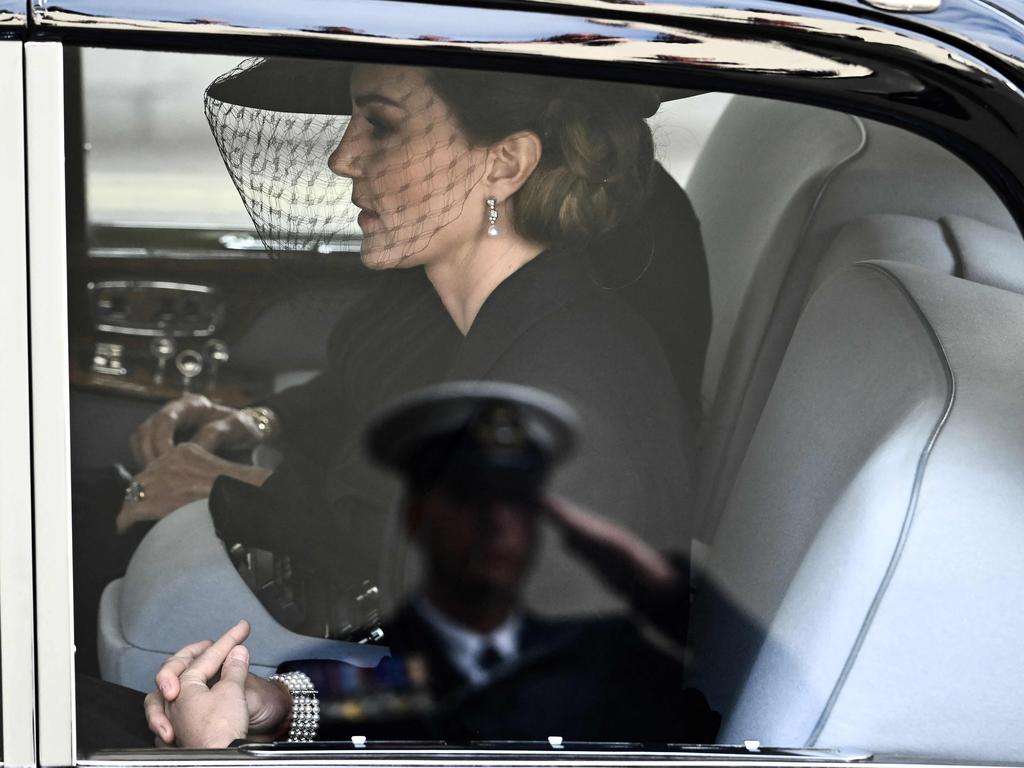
(149, 160)
(369, 536)
(445, 380)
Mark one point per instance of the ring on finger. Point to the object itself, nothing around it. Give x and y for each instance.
(135, 491)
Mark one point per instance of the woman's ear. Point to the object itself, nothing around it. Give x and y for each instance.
(510, 163)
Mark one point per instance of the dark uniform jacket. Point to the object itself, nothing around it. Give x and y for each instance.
(548, 325)
(583, 680)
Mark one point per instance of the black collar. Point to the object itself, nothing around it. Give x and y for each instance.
(550, 281)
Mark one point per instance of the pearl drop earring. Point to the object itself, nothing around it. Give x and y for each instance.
(492, 217)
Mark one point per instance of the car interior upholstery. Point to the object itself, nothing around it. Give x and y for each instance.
(842, 189)
(839, 602)
(836, 602)
(134, 632)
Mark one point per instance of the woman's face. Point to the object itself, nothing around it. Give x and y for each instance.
(412, 170)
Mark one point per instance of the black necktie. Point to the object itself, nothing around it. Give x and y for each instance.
(488, 658)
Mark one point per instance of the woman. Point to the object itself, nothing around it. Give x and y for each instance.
(478, 195)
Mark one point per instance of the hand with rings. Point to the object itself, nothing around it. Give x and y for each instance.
(177, 477)
(134, 490)
(210, 425)
(175, 474)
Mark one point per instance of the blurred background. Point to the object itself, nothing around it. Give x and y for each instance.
(151, 159)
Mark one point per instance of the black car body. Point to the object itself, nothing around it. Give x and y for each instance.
(949, 72)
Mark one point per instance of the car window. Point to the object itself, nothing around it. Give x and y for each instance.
(507, 409)
(132, 104)
(346, 551)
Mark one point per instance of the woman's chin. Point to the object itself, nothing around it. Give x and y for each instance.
(386, 258)
(376, 258)
(371, 262)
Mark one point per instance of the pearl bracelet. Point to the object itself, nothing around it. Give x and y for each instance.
(305, 705)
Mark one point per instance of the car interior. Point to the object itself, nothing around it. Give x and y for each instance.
(840, 302)
(827, 498)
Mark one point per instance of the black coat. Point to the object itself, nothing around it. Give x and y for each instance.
(547, 325)
(583, 680)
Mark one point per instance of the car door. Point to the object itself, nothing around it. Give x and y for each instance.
(133, 282)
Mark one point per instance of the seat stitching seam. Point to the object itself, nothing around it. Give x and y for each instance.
(911, 510)
(953, 243)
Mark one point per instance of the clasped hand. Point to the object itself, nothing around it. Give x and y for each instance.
(175, 474)
(206, 698)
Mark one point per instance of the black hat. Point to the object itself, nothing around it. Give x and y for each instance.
(478, 439)
(282, 85)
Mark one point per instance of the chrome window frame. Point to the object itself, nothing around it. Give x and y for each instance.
(724, 47)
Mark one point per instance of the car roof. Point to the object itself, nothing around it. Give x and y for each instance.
(919, 67)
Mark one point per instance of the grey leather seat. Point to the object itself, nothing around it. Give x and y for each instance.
(786, 194)
(863, 586)
(178, 586)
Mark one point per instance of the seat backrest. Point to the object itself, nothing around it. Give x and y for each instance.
(863, 587)
(773, 241)
(756, 180)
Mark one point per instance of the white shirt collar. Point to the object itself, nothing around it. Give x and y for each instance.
(464, 645)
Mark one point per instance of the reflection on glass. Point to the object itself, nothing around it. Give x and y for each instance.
(402, 228)
(469, 658)
(505, 228)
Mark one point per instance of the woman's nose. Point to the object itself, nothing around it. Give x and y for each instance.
(343, 160)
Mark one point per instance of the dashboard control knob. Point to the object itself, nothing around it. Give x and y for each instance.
(162, 349)
(218, 354)
(189, 364)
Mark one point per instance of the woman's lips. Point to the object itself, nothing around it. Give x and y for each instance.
(365, 217)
